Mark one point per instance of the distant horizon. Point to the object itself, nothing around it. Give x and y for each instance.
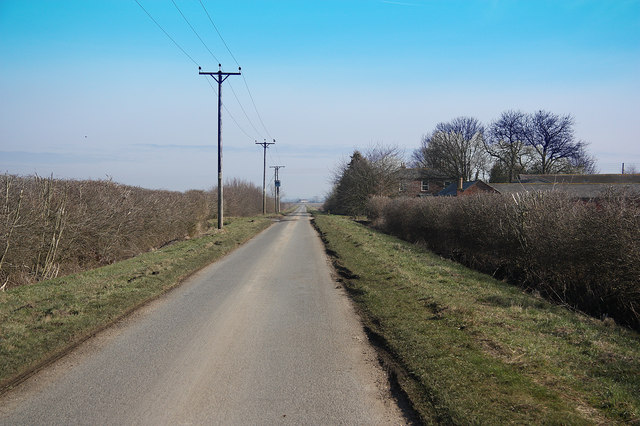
(98, 90)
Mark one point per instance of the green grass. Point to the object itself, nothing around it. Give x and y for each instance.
(471, 349)
(41, 321)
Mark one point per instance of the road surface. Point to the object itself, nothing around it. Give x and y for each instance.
(263, 336)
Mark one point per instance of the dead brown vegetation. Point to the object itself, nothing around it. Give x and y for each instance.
(51, 226)
(582, 254)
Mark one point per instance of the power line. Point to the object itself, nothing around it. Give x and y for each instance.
(270, 158)
(229, 112)
(234, 58)
(214, 57)
(236, 61)
(275, 159)
(278, 154)
(243, 110)
(166, 33)
(256, 108)
(219, 78)
(236, 121)
(194, 31)
(219, 35)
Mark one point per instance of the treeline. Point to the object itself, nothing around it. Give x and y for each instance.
(50, 227)
(584, 255)
(541, 142)
(515, 143)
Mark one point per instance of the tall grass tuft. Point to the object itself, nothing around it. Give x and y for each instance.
(585, 255)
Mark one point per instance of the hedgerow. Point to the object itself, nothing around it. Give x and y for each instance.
(585, 255)
(51, 227)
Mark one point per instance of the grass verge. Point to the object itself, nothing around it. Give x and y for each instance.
(470, 349)
(40, 322)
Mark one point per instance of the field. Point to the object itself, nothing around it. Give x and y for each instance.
(467, 348)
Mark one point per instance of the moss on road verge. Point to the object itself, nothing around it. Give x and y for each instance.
(472, 350)
(40, 322)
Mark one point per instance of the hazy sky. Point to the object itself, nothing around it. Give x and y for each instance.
(94, 89)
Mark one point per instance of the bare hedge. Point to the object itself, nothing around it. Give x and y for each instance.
(582, 254)
(50, 226)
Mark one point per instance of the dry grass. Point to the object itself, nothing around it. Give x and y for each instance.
(44, 319)
(474, 350)
(585, 255)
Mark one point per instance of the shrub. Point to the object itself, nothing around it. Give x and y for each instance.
(51, 226)
(582, 254)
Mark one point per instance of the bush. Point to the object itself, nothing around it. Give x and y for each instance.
(51, 226)
(582, 254)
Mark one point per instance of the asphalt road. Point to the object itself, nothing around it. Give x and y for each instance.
(263, 336)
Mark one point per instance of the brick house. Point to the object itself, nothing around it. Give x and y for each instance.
(420, 182)
(465, 188)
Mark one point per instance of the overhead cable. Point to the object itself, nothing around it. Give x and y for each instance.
(236, 61)
(194, 31)
(166, 33)
(219, 35)
(229, 112)
(242, 108)
(255, 107)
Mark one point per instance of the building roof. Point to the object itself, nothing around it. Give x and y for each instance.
(578, 190)
(452, 189)
(612, 179)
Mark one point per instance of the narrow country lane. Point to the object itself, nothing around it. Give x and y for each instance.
(263, 336)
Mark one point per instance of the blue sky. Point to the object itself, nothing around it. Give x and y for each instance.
(93, 89)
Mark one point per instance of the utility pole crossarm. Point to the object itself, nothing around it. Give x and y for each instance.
(219, 74)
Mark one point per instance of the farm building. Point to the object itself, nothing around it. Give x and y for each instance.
(579, 186)
(424, 182)
(418, 182)
(465, 188)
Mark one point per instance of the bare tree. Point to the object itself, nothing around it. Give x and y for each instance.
(580, 163)
(454, 149)
(505, 142)
(552, 137)
(386, 162)
(377, 172)
(631, 169)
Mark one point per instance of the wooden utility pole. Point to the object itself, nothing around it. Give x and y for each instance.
(219, 77)
(265, 145)
(277, 186)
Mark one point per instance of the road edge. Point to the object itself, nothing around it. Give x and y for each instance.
(398, 379)
(12, 382)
